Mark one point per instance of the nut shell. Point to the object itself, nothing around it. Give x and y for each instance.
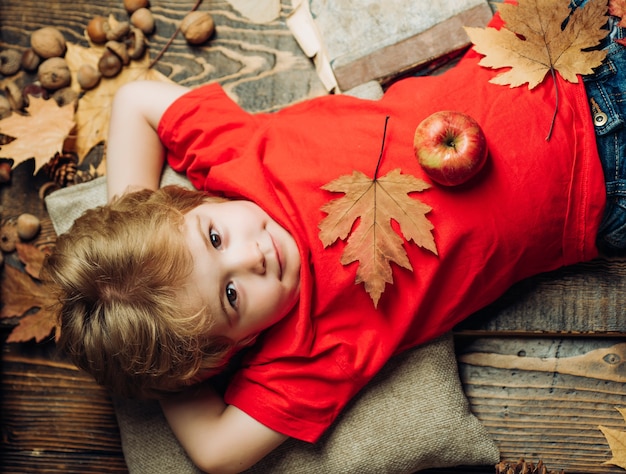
(5, 111)
(136, 43)
(10, 62)
(144, 20)
(48, 42)
(54, 74)
(28, 226)
(116, 30)
(30, 60)
(197, 27)
(96, 29)
(119, 49)
(88, 76)
(8, 236)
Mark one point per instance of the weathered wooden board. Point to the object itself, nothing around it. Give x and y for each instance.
(543, 398)
(587, 298)
(54, 418)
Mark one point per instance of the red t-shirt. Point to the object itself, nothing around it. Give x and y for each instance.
(535, 207)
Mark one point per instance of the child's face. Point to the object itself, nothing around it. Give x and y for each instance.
(246, 266)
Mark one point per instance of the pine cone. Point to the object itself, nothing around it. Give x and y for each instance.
(523, 467)
(62, 168)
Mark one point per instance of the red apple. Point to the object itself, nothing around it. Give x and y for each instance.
(450, 146)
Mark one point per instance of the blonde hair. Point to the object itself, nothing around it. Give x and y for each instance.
(119, 272)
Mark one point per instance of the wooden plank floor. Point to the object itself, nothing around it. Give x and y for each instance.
(542, 367)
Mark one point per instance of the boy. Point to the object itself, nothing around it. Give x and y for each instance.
(160, 288)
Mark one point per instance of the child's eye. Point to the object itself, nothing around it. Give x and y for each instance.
(231, 294)
(216, 240)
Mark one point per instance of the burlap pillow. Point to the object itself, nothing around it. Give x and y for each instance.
(412, 416)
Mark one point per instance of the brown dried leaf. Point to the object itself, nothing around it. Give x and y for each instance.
(532, 42)
(31, 257)
(374, 243)
(19, 293)
(617, 443)
(94, 107)
(40, 134)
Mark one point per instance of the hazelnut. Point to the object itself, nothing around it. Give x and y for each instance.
(116, 30)
(96, 29)
(197, 27)
(109, 64)
(28, 226)
(10, 61)
(48, 42)
(65, 96)
(5, 172)
(88, 76)
(143, 19)
(54, 74)
(8, 236)
(5, 111)
(119, 49)
(134, 5)
(30, 60)
(136, 43)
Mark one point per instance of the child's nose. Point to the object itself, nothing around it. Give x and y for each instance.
(250, 258)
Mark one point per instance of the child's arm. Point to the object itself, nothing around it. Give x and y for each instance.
(218, 438)
(134, 152)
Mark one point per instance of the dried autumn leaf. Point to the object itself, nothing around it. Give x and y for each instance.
(374, 243)
(617, 443)
(19, 293)
(617, 8)
(31, 257)
(40, 134)
(94, 107)
(532, 43)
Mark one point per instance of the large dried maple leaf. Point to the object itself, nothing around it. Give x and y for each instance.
(40, 134)
(617, 443)
(94, 107)
(19, 293)
(533, 42)
(374, 243)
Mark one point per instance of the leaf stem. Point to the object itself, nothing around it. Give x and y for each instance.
(556, 103)
(171, 40)
(382, 147)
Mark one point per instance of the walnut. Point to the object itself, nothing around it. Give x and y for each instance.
(143, 19)
(54, 74)
(10, 61)
(48, 42)
(65, 96)
(8, 236)
(197, 27)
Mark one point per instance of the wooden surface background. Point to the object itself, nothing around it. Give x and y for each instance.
(542, 367)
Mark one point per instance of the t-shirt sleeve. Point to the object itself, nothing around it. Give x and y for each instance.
(204, 128)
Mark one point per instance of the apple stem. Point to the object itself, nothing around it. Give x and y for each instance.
(556, 103)
(382, 147)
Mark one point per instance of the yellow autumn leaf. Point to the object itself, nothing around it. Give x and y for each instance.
(39, 134)
(617, 443)
(533, 41)
(94, 107)
(374, 243)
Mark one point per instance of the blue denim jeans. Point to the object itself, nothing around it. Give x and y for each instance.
(606, 91)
